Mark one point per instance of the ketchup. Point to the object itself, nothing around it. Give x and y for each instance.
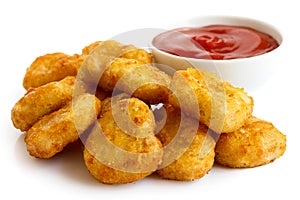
(217, 42)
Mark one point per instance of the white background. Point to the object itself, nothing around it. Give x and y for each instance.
(32, 28)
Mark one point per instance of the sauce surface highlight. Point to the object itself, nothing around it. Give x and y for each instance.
(217, 42)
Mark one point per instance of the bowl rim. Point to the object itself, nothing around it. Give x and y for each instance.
(235, 18)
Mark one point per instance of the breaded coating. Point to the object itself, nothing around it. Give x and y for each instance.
(116, 153)
(143, 81)
(140, 55)
(51, 67)
(53, 132)
(96, 61)
(41, 101)
(216, 103)
(239, 107)
(88, 49)
(109, 101)
(188, 147)
(72, 64)
(85, 110)
(98, 56)
(147, 83)
(256, 143)
(115, 71)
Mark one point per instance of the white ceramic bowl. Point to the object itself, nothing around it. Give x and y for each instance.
(248, 73)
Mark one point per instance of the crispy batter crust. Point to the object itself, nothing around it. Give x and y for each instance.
(53, 132)
(143, 81)
(89, 48)
(109, 101)
(195, 158)
(120, 156)
(216, 103)
(51, 67)
(41, 101)
(123, 142)
(256, 143)
(149, 84)
(115, 71)
(140, 55)
(98, 58)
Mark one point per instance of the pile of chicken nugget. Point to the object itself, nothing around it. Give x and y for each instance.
(134, 119)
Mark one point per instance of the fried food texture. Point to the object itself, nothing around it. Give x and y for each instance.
(257, 143)
(192, 144)
(143, 81)
(41, 101)
(109, 101)
(53, 132)
(133, 119)
(89, 48)
(116, 152)
(51, 67)
(216, 103)
(112, 62)
(95, 62)
(85, 110)
(115, 71)
(140, 55)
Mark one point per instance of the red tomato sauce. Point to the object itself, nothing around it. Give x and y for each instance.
(217, 42)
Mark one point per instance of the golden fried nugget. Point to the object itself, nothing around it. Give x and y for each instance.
(85, 110)
(41, 101)
(51, 67)
(115, 71)
(99, 54)
(256, 143)
(53, 132)
(140, 55)
(216, 103)
(118, 154)
(96, 61)
(109, 101)
(188, 147)
(72, 64)
(88, 49)
(143, 81)
(147, 83)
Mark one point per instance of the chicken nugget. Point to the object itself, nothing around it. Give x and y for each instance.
(140, 55)
(147, 83)
(53, 132)
(51, 67)
(216, 103)
(85, 110)
(41, 101)
(96, 61)
(256, 143)
(72, 64)
(118, 154)
(115, 71)
(143, 81)
(193, 155)
(88, 49)
(109, 101)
